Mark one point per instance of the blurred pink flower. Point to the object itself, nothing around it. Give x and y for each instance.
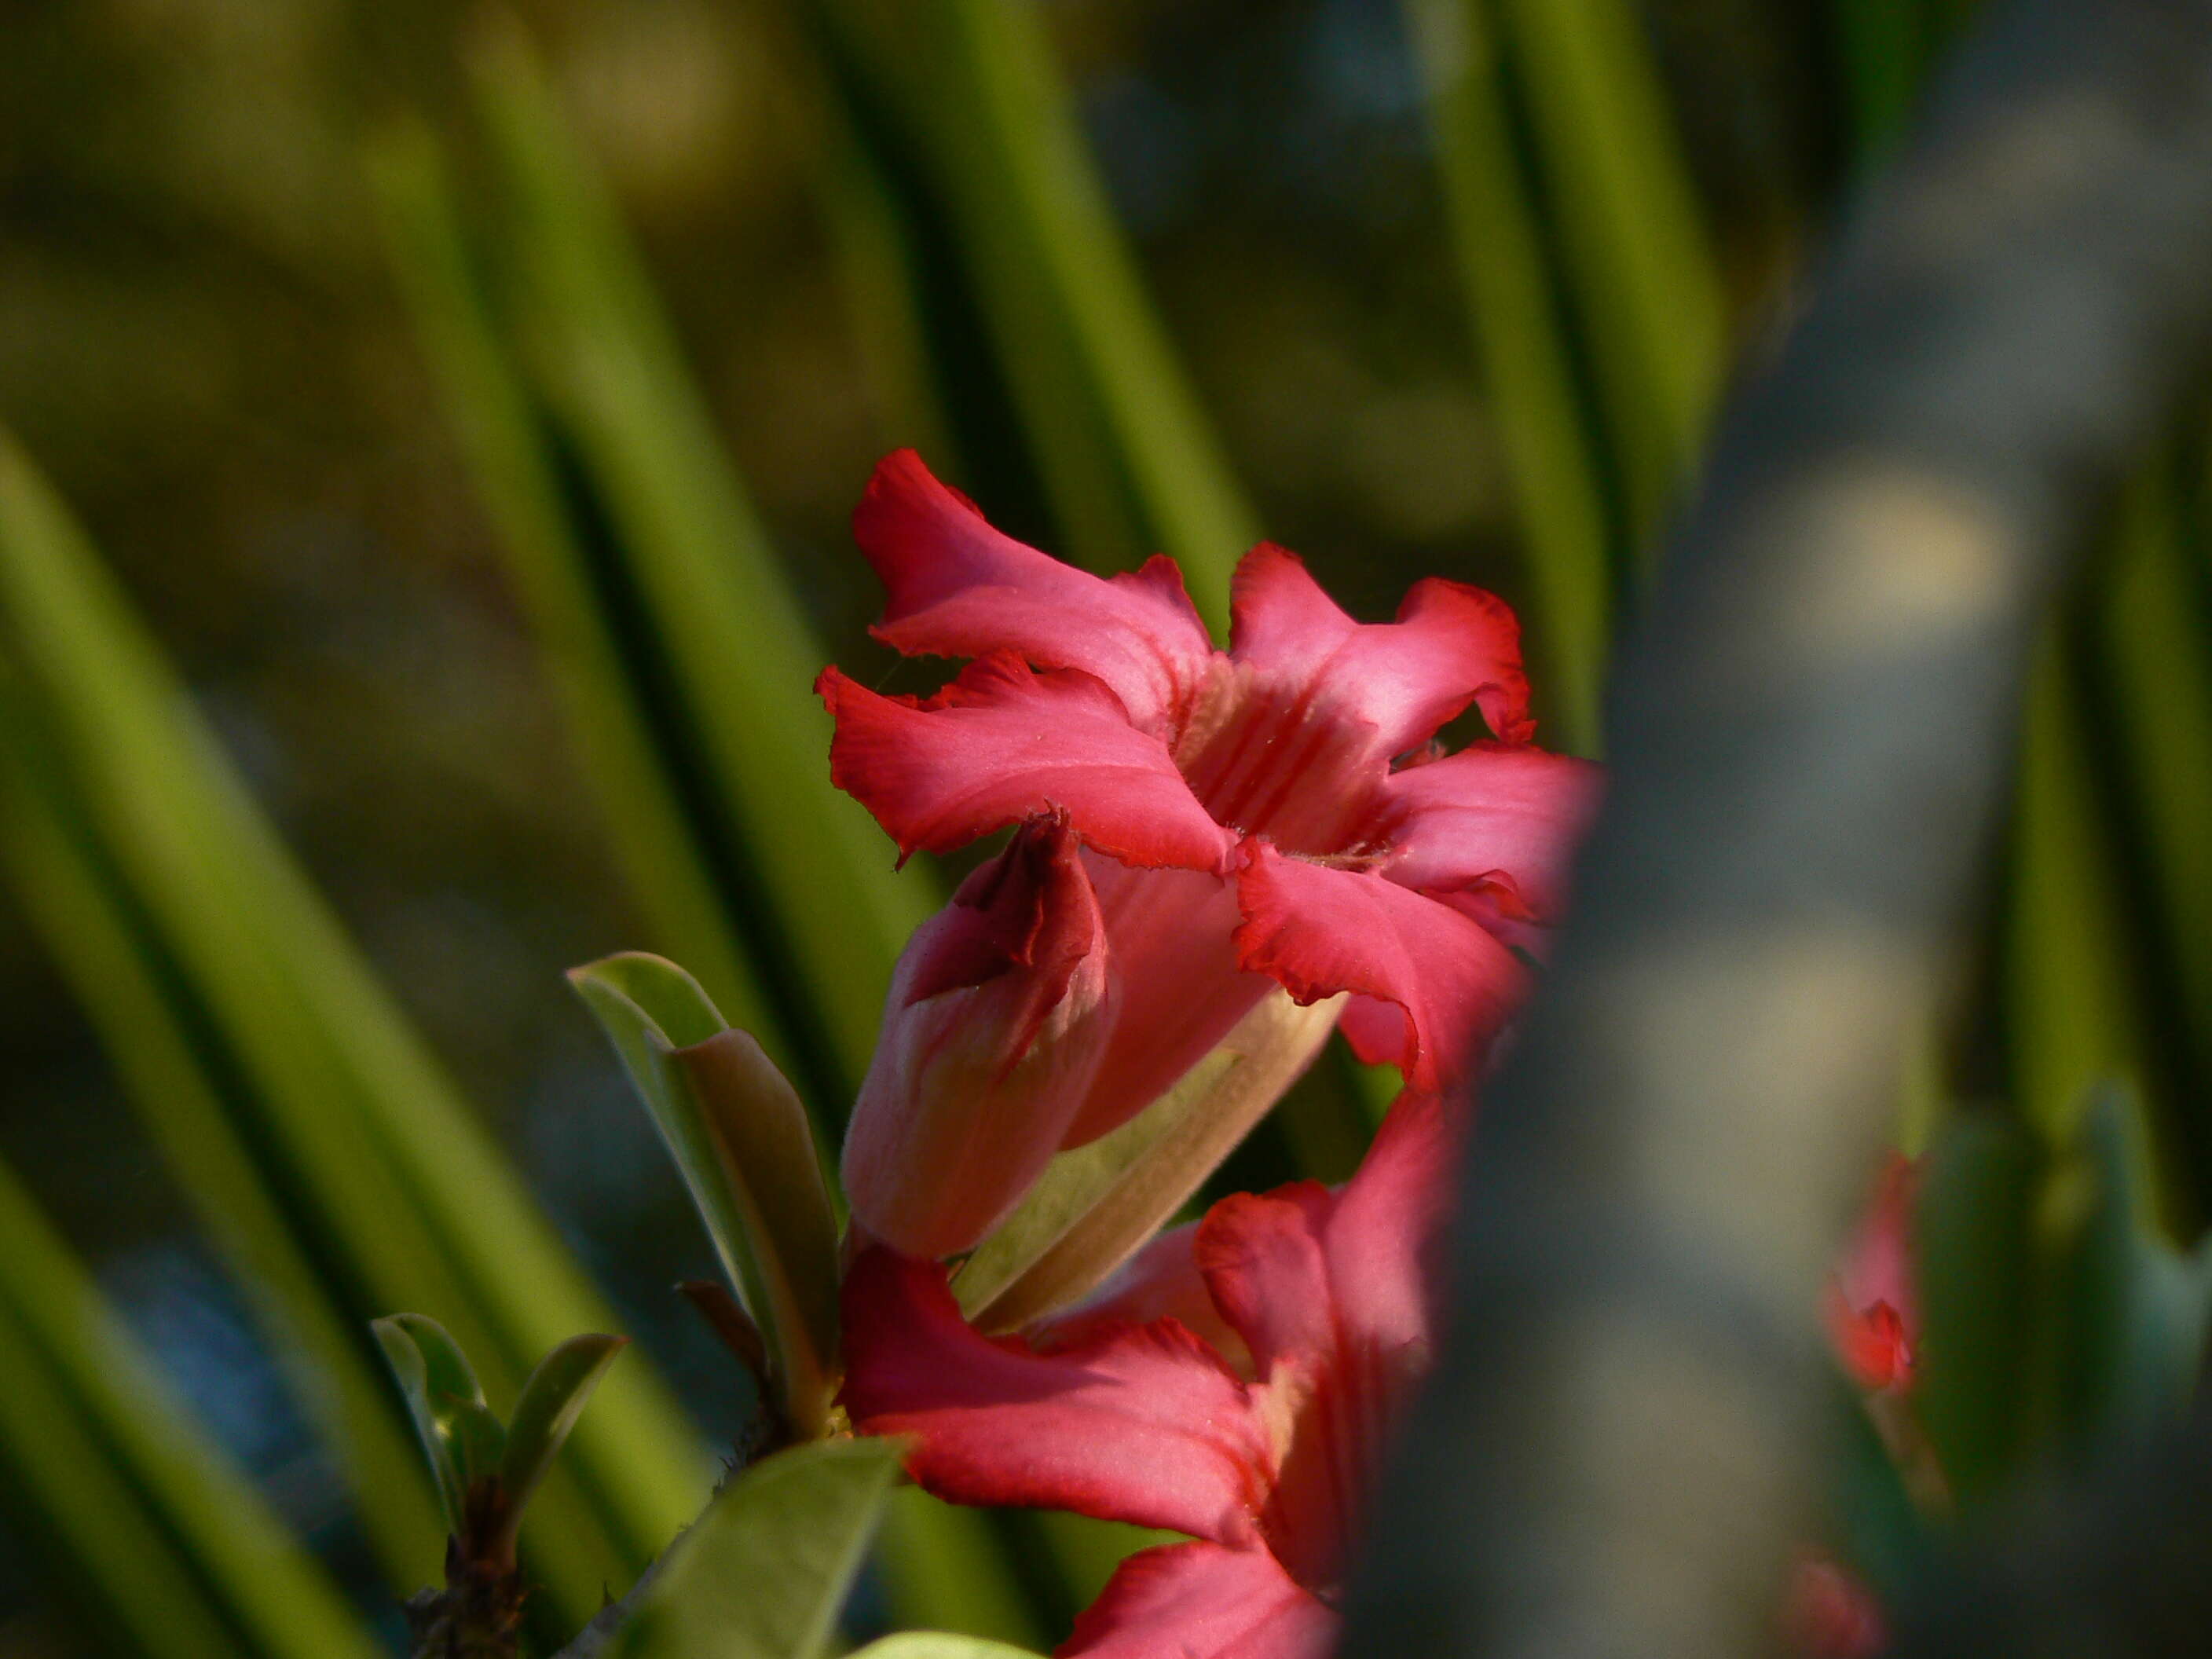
(1243, 822)
(1266, 1463)
(1873, 1313)
(1830, 1614)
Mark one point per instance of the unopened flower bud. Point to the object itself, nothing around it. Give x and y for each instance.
(998, 1013)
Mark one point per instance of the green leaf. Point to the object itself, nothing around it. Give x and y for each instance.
(1874, 1522)
(763, 1572)
(2070, 1021)
(411, 1371)
(945, 1567)
(970, 94)
(2130, 1309)
(935, 1644)
(447, 1370)
(319, 1138)
(123, 1497)
(741, 1141)
(1637, 259)
(2152, 689)
(1095, 1206)
(461, 1437)
(479, 1442)
(1526, 360)
(1884, 49)
(668, 857)
(1973, 1231)
(552, 1402)
(699, 573)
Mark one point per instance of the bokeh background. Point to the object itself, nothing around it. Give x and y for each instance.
(208, 345)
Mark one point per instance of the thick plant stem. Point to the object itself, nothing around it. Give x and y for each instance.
(1808, 738)
(478, 1615)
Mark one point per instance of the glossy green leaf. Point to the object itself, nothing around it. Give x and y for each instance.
(742, 1142)
(1974, 1232)
(123, 1495)
(829, 914)
(552, 1401)
(447, 1374)
(1095, 1206)
(412, 1373)
(461, 1437)
(1637, 257)
(2129, 1308)
(763, 1574)
(317, 1134)
(1526, 360)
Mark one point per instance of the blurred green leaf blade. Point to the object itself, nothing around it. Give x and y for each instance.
(323, 1114)
(763, 1574)
(2130, 1309)
(1521, 338)
(1974, 1235)
(151, 1517)
(731, 649)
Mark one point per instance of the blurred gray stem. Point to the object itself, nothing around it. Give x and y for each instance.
(1808, 735)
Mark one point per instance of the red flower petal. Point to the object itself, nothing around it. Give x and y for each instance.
(1002, 744)
(1332, 1291)
(1169, 932)
(958, 588)
(1388, 1219)
(1318, 930)
(1451, 645)
(1202, 1601)
(1142, 1424)
(1161, 1281)
(1491, 810)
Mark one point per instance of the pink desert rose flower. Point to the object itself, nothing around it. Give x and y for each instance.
(1266, 1463)
(1873, 1314)
(997, 1019)
(1273, 814)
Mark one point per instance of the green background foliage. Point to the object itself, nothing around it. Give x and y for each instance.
(457, 412)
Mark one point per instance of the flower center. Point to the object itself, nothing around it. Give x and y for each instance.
(1282, 760)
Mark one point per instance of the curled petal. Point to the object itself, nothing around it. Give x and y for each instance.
(1142, 1424)
(1318, 930)
(956, 587)
(1492, 811)
(1202, 1601)
(1003, 744)
(1000, 1012)
(1451, 646)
